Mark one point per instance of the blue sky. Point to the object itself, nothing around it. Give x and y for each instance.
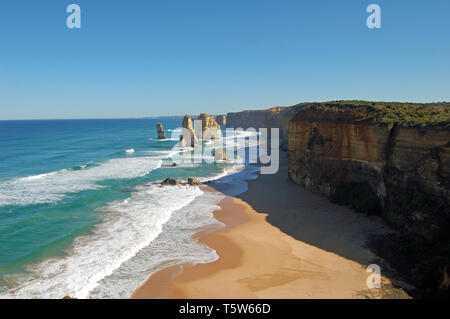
(171, 57)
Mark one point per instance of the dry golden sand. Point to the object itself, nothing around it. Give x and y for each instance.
(257, 260)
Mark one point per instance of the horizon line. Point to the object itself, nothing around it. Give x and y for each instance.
(166, 116)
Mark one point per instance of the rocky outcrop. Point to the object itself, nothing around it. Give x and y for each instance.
(210, 128)
(221, 119)
(188, 137)
(160, 131)
(173, 182)
(170, 181)
(355, 154)
(193, 181)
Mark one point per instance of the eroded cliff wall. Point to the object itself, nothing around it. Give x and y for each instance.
(395, 168)
(276, 117)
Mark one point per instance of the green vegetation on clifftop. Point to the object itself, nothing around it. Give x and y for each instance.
(405, 114)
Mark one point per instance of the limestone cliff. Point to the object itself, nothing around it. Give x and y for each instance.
(276, 117)
(392, 159)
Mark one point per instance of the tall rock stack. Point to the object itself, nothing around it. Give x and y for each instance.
(189, 134)
(219, 154)
(161, 133)
(209, 123)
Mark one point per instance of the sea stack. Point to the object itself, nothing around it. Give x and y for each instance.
(219, 154)
(209, 123)
(189, 134)
(161, 133)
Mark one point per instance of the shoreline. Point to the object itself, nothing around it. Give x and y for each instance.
(258, 260)
(159, 285)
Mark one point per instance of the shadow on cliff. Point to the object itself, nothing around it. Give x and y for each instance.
(313, 219)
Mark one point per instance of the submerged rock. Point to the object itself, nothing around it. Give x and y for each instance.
(161, 133)
(171, 165)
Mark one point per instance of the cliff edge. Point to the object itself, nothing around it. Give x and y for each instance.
(391, 159)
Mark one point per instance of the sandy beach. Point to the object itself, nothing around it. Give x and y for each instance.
(280, 241)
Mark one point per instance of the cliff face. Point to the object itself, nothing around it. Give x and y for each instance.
(276, 117)
(221, 119)
(401, 172)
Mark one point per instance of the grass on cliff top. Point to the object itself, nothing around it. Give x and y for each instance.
(407, 114)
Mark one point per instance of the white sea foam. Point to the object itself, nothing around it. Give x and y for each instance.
(128, 227)
(54, 186)
(174, 245)
(149, 231)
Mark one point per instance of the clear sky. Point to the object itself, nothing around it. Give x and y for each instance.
(170, 57)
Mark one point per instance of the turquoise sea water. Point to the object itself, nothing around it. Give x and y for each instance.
(81, 216)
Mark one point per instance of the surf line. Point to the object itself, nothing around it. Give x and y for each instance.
(191, 309)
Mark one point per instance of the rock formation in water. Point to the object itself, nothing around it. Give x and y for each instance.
(170, 181)
(210, 128)
(221, 119)
(173, 182)
(188, 133)
(219, 154)
(193, 181)
(161, 133)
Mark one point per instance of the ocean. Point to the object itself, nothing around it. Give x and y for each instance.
(82, 213)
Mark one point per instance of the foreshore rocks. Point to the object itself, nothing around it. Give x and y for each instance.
(160, 130)
(170, 181)
(173, 182)
(193, 181)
